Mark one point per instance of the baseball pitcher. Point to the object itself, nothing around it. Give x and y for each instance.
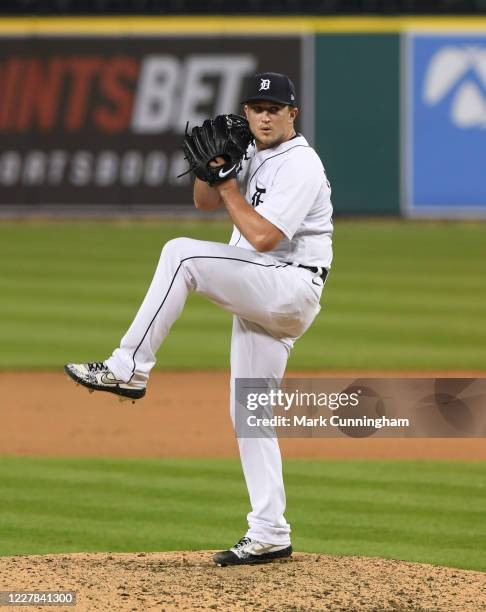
(270, 277)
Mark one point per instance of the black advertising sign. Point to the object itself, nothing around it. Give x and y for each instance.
(99, 120)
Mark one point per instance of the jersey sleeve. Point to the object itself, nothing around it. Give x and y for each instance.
(296, 184)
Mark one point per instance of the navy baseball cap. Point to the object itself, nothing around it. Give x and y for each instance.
(271, 86)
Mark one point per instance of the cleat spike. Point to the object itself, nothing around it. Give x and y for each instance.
(126, 399)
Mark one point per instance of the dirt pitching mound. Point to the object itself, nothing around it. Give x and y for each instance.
(190, 581)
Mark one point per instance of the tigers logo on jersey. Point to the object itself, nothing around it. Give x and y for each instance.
(256, 198)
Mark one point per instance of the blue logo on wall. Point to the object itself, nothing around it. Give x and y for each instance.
(446, 124)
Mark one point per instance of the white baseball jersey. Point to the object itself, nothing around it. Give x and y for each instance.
(288, 186)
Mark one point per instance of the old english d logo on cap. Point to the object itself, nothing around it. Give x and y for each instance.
(264, 84)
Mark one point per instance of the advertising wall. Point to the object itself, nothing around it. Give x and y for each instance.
(93, 111)
(100, 121)
(445, 125)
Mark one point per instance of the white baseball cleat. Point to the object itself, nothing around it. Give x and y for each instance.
(97, 377)
(248, 552)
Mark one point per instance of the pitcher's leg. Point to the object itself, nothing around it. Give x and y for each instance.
(162, 305)
(240, 281)
(255, 354)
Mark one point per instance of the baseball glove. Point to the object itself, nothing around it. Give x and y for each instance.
(226, 136)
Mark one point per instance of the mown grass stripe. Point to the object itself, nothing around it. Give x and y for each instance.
(386, 305)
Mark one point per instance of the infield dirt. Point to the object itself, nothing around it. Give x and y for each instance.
(185, 415)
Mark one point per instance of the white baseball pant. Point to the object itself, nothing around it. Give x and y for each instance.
(273, 304)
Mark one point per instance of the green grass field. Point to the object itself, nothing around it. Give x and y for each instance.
(401, 295)
(430, 512)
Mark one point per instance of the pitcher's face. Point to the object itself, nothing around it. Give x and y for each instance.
(270, 123)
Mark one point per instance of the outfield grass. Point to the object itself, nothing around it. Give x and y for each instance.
(429, 512)
(400, 295)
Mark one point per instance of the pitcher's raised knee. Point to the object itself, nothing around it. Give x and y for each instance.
(180, 248)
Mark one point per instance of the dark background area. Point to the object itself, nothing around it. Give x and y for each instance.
(225, 7)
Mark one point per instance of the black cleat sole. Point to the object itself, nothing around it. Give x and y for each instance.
(227, 557)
